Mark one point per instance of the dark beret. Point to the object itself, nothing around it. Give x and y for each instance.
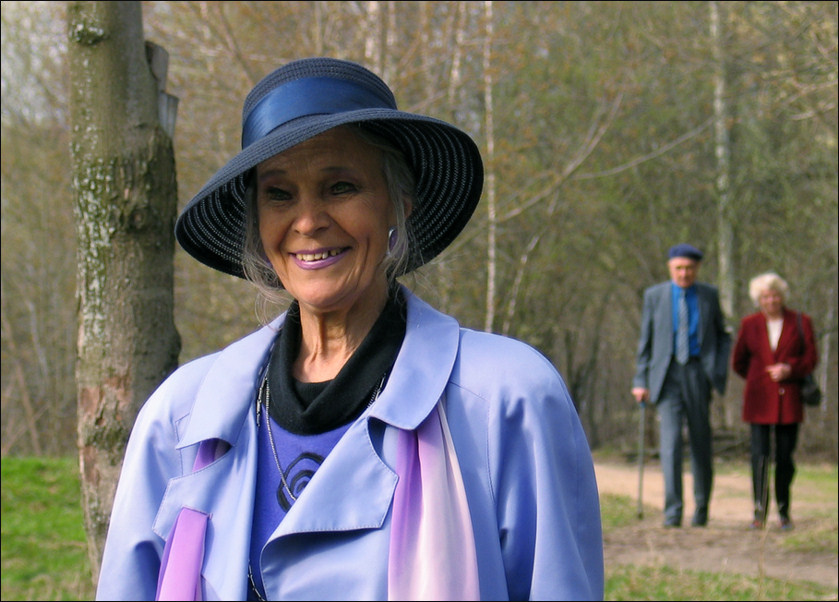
(685, 250)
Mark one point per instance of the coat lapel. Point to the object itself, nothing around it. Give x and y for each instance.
(223, 490)
(760, 337)
(352, 489)
(228, 392)
(354, 486)
(704, 304)
(663, 329)
(789, 336)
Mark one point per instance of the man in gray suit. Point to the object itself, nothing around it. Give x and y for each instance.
(676, 369)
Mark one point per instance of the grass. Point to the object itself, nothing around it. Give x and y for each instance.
(44, 556)
(667, 583)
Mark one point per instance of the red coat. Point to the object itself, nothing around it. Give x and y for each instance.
(764, 400)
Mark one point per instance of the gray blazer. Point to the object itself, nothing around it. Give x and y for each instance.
(655, 346)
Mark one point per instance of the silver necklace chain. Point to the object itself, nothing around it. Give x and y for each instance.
(253, 585)
(265, 398)
(266, 387)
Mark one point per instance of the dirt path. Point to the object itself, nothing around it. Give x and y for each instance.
(726, 544)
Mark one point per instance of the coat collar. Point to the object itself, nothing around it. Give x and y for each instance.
(704, 303)
(228, 390)
(422, 368)
(788, 337)
(417, 380)
(225, 489)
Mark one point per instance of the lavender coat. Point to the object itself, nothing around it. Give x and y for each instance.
(526, 467)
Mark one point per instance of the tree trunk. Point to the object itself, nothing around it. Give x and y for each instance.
(490, 170)
(723, 154)
(725, 229)
(126, 201)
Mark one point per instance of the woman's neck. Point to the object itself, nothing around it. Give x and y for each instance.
(329, 339)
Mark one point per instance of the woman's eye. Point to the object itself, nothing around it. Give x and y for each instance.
(276, 194)
(342, 187)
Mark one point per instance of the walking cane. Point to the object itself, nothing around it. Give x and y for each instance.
(641, 433)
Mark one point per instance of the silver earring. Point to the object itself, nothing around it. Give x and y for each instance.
(392, 236)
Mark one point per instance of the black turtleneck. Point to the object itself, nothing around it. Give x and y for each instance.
(313, 408)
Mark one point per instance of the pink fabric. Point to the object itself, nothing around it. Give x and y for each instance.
(180, 578)
(432, 546)
(180, 570)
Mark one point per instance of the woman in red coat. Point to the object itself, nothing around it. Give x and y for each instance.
(773, 354)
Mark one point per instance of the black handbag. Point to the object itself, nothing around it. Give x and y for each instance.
(811, 395)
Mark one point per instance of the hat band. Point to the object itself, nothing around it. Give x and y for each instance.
(307, 96)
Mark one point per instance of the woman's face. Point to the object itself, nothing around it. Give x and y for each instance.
(324, 215)
(771, 302)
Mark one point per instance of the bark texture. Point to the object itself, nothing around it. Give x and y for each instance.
(126, 201)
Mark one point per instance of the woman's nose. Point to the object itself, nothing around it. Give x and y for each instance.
(312, 216)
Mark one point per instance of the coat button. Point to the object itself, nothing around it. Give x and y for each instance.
(781, 390)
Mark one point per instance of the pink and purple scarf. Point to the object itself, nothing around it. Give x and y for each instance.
(432, 545)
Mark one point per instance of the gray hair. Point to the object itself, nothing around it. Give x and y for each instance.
(767, 281)
(401, 186)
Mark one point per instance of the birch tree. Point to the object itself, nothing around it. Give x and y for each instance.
(489, 190)
(725, 234)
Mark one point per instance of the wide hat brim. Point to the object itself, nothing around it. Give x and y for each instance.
(446, 163)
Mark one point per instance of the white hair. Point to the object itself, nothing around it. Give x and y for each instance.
(767, 281)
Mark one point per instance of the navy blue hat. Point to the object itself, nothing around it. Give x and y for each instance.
(685, 250)
(308, 97)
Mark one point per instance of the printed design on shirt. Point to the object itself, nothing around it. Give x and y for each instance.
(297, 476)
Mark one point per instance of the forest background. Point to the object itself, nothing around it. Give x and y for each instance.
(610, 131)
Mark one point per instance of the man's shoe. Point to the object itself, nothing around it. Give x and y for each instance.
(756, 525)
(700, 519)
(672, 524)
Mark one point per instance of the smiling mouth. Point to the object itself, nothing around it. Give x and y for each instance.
(318, 256)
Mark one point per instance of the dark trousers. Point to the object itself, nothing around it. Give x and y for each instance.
(786, 436)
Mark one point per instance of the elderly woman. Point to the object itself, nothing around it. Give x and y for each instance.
(775, 348)
(362, 445)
